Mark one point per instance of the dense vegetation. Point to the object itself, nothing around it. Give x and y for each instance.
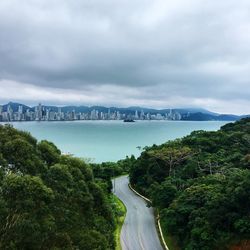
(108, 170)
(50, 201)
(201, 186)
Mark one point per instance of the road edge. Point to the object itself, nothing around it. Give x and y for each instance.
(157, 218)
(120, 222)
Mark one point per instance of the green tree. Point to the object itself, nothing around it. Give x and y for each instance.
(49, 152)
(29, 223)
(162, 194)
(171, 156)
(21, 157)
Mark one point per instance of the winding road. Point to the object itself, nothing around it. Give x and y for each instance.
(138, 231)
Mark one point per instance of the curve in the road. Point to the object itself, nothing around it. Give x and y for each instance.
(138, 231)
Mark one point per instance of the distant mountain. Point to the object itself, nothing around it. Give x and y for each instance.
(209, 117)
(77, 109)
(201, 110)
(14, 106)
(244, 116)
(187, 114)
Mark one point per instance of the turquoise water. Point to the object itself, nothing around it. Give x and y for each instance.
(111, 140)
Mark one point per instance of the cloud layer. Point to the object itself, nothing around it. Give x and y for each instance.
(153, 53)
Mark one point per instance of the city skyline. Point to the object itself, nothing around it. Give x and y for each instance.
(45, 113)
(19, 112)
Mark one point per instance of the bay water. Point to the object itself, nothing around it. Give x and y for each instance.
(111, 140)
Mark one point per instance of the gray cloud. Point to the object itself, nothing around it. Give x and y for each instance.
(159, 53)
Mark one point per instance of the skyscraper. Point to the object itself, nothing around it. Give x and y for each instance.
(9, 113)
(20, 113)
(142, 115)
(136, 115)
(40, 112)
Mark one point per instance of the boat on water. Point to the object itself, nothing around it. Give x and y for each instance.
(129, 120)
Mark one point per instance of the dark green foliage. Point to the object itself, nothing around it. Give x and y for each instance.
(162, 194)
(49, 201)
(201, 186)
(28, 223)
(93, 240)
(49, 152)
(22, 157)
(105, 171)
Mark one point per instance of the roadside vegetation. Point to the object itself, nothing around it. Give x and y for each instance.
(201, 186)
(120, 214)
(109, 170)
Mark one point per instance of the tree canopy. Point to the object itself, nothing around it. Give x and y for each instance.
(49, 201)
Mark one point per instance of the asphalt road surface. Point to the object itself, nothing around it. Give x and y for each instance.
(138, 231)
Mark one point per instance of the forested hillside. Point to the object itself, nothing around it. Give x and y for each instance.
(49, 201)
(201, 186)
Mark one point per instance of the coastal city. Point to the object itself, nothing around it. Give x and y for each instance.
(44, 113)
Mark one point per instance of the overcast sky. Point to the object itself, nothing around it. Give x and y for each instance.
(161, 53)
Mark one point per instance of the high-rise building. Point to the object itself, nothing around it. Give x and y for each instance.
(177, 116)
(142, 115)
(136, 115)
(27, 115)
(52, 115)
(20, 113)
(20, 109)
(9, 113)
(47, 115)
(109, 114)
(40, 112)
(93, 114)
(59, 114)
(118, 115)
(159, 117)
(73, 115)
